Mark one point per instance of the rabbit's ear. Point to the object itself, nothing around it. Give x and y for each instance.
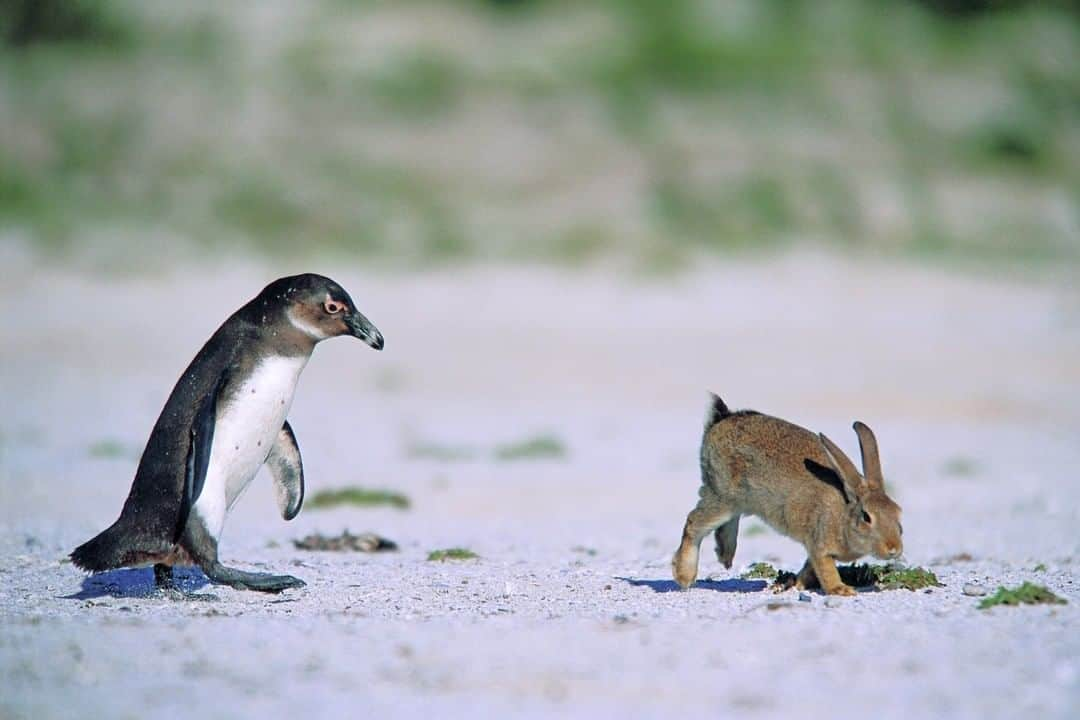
(841, 463)
(871, 462)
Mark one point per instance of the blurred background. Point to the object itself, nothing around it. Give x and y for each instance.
(570, 219)
(134, 133)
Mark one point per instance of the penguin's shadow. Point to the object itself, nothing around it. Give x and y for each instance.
(135, 583)
(733, 585)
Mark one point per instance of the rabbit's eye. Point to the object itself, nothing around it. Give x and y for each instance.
(866, 518)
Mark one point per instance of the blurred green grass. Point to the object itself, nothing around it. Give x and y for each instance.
(419, 133)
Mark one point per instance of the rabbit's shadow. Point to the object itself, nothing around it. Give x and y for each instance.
(135, 583)
(733, 585)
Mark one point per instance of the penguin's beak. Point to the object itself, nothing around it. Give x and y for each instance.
(361, 327)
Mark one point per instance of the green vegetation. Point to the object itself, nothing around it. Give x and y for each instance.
(755, 530)
(357, 496)
(540, 447)
(760, 571)
(888, 577)
(419, 85)
(455, 553)
(960, 467)
(1041, 567)
(661, 132)
(33, 22)
(1026, 594)
(109, 450)
(885, 577)
(438, 452)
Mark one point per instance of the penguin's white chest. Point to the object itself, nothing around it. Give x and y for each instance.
(245, 430)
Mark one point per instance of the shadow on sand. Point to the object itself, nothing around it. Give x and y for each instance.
(135, 583)
(733, 585)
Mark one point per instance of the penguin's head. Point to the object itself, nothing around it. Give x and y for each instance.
(321, 309)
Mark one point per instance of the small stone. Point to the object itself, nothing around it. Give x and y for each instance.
(974, 589)
(805, 597)
(833, 601)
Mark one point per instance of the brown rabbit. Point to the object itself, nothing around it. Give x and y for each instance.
(798, 482)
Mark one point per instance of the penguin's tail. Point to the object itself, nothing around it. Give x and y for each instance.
(102, 552)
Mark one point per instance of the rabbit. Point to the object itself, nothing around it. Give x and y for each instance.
(801, 484)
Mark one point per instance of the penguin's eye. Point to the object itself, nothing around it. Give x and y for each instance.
(333, 307)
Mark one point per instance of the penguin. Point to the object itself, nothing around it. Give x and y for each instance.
(223, 421)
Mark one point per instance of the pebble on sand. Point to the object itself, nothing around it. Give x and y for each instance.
(974, 589)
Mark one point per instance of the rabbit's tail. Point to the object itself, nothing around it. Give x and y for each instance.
(718, 410)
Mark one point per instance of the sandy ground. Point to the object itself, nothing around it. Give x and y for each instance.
(971, 384)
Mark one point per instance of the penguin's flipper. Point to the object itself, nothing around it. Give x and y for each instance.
(198, 457)
(288, 472)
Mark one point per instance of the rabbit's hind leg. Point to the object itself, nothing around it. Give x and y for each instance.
(709, 514)
(727, 536)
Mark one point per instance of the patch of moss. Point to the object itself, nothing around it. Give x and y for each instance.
(960, 467)
(1026, 594)
(580, 244)
(540, 447)
(1041, 567)
(358, 496)
(754, 530)
(439, 452)
(888, 577)
(760, 571)
(419, 85)
(456, 553)
(108, 450)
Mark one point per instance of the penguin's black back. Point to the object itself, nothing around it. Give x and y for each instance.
(154, 513)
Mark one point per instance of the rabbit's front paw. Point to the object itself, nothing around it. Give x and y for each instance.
(841, 589)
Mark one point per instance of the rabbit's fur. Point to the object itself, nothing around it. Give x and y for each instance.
(798, 482)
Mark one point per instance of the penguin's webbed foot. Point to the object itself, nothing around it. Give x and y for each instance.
(169, 588)
(178, 595)
(241, 580)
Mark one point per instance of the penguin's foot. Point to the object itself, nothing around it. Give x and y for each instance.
(178, 595)
(168, 587)
(262, 582)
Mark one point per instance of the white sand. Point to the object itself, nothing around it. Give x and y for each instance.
(571, 610)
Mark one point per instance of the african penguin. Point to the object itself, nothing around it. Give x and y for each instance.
(224, 419)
